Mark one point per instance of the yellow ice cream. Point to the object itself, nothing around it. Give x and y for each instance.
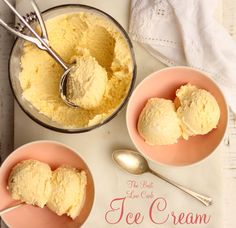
(197, 110)
(71, 36)
(29, 182)
(86, 83)
(68, 191)
(158, 123)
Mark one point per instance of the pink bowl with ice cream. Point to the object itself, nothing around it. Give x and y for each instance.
(163, 84)
(54, 154)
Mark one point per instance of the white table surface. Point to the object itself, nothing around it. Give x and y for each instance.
(96, 148)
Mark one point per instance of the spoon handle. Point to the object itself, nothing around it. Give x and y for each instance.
(5, 210)
(207, 201)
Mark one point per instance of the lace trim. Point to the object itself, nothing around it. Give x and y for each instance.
(152, 38)
(162, 8)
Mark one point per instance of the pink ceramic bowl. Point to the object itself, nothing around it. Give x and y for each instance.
(163, 84)
(55, 154)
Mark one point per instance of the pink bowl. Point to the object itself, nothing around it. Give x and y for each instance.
(163, 84)
(55, 154)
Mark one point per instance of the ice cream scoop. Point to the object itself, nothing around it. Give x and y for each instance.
(86, 83)
(197, 110)
(68, 191)
(158, 123)
(30, 182)
(62, 190)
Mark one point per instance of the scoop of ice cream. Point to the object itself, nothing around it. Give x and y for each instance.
(158, 123)
(68, 191)
(197, 110)
(29, 182)
(86, 83)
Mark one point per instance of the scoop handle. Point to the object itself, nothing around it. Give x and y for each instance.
(8, 209)
(37, 39)
(207, 201)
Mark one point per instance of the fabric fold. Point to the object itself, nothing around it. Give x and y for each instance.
(186, 33)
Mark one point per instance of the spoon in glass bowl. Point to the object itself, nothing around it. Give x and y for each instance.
(135, 163)
(41, 42)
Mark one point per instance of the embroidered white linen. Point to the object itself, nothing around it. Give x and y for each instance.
(180, 32)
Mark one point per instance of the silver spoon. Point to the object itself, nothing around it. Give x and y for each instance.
(8, 209)
(42, 43)
(136, 164)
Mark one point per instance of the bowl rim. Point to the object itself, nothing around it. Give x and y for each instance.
(72, 150)
(124, 101)
(155, 74)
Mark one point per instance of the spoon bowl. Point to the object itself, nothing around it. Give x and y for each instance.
(131, 161)
(63, 88)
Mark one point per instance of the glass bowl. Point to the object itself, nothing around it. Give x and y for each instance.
(15, 69)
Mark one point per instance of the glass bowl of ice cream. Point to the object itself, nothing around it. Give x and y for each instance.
(52, 180)
(177, 116)
(105, 75)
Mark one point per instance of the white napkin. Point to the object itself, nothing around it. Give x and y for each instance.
(180, 32)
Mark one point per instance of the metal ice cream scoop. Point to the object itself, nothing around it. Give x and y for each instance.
(10, 208)
(41, 42)
(135, 163)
